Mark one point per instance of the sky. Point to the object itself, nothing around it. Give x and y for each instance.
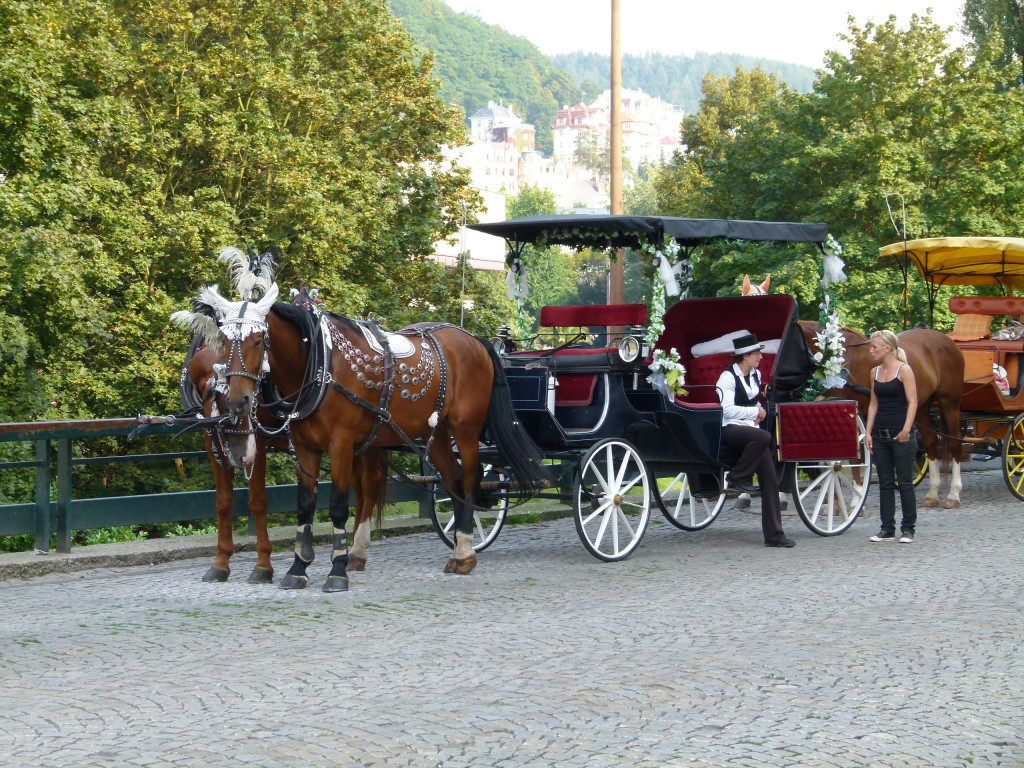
(795, 31)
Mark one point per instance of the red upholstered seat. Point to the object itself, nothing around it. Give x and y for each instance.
(581, 316)
(702, 374)
(575, 389)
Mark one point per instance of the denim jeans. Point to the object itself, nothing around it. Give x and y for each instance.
(894, 462)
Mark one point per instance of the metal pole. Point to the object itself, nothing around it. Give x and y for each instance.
(616, 279)
(462, 258)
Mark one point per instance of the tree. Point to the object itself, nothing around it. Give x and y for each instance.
(136, 139)
(998, 24)
(878, 122)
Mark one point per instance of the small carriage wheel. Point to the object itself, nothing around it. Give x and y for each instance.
(1013, 457)
(612, 500)
(487, 523)
(921, 466)
(831, 493)
(681, 507)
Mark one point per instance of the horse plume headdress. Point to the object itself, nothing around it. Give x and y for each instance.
(252, 276)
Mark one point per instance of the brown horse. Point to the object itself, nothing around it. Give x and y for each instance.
(340, 376)
(939, 371)
(370, 486)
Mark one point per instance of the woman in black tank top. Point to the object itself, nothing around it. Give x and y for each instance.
(891, 438)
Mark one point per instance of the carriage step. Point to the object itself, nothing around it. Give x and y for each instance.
(485, 485)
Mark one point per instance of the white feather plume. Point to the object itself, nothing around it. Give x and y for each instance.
(248, 284)
(199, 323)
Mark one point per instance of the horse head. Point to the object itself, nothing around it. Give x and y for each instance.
(750, 289)
(238, 331)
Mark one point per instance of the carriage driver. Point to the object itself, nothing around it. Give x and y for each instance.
(739, 386)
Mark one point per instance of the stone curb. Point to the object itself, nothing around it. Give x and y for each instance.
(25, 565)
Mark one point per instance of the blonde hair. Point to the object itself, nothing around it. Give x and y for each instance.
(891, 340)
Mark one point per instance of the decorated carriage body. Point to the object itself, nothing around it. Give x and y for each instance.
(627, 445)
(988, 333)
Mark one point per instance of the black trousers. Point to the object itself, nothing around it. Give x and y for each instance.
(754, 447)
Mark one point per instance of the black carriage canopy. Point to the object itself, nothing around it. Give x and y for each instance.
(620, 231)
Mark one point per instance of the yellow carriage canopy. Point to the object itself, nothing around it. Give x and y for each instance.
(965, 260)
(944, 261)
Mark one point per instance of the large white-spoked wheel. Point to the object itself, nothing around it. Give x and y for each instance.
(487, 523)
(831, 493)
(680, 507)
(1013, 457)
(612, 500)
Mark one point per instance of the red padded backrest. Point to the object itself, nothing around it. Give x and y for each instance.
(593, 314)
(575, 389)
(706, 370)
(987, 305)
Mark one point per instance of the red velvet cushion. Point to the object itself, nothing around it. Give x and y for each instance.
(575, 389)
(595, 314)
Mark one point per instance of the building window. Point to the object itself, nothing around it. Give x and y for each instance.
(560, 121)
(577, 121)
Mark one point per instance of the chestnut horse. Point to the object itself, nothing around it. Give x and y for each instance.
(200, 393)
(203, 388)
(339, 377)
(938, 367)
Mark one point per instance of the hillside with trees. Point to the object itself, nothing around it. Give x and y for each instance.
(477, 62)
(675, 79)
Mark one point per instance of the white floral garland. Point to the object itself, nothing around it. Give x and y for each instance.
(831, 355)
(668, 375)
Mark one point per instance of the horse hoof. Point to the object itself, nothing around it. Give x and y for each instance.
(461, 567)
(930, 503)
(261, 576)
(216, 574)
(952, 504)
(336, 584)
(291, 581)
(356, 563)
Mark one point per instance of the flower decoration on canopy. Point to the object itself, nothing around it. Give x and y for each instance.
(831, 355)
(668, 375)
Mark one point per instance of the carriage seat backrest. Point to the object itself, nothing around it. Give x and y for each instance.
(974, 314)
(702, 374)
(577, 390)
(693, 321)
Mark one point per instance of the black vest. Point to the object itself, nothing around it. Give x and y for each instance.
(742, 398)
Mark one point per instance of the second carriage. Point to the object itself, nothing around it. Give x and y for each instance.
(623, 446)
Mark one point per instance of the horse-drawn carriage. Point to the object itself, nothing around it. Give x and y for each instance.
(627, 445)
(992, 405)
(497, 428)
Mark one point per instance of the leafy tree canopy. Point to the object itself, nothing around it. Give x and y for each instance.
(919, 128)
(136, 139)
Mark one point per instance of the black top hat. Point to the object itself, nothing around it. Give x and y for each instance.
(742, 345)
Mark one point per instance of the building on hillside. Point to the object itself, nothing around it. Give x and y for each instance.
(498, 123)
(486, 252)
(649, 127)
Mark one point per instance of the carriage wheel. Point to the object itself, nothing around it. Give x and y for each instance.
(921, 465)
(681, 507)
(487, 523)
(1013, 457)
(612, 500)
(831, 493)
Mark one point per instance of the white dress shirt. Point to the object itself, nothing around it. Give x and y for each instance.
(745, 415)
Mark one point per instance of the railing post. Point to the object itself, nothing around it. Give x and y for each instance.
(42, 500)
(64, 495)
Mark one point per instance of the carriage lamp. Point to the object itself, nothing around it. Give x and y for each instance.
(631, 346)
(503, 341)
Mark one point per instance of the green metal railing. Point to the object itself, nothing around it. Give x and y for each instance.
(43, 516)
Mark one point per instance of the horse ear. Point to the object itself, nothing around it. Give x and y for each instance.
(766, 284)
(745, 290)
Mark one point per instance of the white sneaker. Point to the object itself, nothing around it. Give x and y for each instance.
(883, 536)
(907, 538)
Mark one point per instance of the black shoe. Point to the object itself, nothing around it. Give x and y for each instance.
(739, 485)
(783, 542)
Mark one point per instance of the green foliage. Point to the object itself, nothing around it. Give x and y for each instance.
(877, 122)
(996, 28)
(478, 63)
(675, 79)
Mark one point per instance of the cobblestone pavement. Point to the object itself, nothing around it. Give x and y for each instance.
(702, 649)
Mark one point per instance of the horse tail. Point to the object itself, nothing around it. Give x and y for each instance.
(515, 448)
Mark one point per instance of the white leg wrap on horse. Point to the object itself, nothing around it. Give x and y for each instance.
(361, 539)
(463, 546)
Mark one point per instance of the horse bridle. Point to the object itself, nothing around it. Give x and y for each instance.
(236, 340)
